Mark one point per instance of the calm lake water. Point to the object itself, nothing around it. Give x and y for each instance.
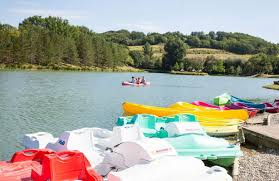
(59, 101)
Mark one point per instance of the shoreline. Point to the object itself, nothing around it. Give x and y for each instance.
(176, 72)
(264, 76)
(76, 68)
(68, 68)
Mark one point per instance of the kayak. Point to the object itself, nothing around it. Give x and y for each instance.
(200, 106)
(135, 84)
(204, 104)
(182, 129)
(271, 108)
(226, 99)
(237, 105)
(275, 106)
(229, 114)
(218, 116)
(260, 106)
(45, 164)
(252, 111)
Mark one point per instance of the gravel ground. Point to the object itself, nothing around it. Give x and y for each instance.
(259, 164)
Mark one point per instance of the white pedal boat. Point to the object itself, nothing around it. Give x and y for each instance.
(124, 154)
(178, 168)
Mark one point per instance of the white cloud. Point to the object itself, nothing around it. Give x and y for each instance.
(68, 14)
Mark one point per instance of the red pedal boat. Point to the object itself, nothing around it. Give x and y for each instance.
(44, 164)
(20, 166)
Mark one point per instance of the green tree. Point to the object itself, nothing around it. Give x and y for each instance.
(238, 70)
(70, 54)
(176, 67)
(175, 51)
(147, 50)
(275, 64)
(260, 63)
(158, 63)
(193, 65)
(231, 70)
(8, 42)
(272, 50)
(137, 57)
(214, 66)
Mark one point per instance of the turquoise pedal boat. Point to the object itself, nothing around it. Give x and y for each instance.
(186, 135)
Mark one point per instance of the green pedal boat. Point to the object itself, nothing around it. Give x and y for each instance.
(186, 135)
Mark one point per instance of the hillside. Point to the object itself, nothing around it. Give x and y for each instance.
(238, 43)
(196, 53)
(53, 42)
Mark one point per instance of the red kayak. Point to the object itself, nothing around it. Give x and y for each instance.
(135, 84)
(272, 108)
(44, 164)
(204, 104)
(237, 105)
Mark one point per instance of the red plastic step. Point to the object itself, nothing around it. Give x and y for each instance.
(20, 166)
(30, 154)
(66, 165)
(44, 164)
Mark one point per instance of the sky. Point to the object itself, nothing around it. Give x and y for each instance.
(254, 17)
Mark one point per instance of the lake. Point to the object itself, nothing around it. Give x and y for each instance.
(32, 101)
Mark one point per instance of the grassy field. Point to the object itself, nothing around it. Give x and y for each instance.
(158, 50)
(272, 86)
(195, 53)
(202, 53)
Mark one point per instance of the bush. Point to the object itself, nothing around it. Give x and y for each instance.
(213, 66)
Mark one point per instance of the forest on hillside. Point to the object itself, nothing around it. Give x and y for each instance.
(232, 42)
(52, 42)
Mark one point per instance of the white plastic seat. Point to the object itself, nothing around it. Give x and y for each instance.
(122, 134)
(130, 153)
(180, 128)
(178, 168)
(84, 140)
(37, 140)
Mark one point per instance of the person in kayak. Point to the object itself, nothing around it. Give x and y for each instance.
(138, 80)
(133, 80)
(143, 81)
